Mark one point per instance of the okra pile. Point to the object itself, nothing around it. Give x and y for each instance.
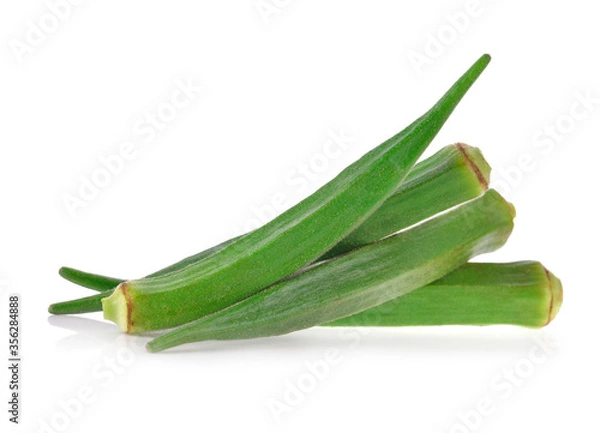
(387, 242)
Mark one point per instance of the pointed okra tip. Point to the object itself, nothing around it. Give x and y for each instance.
(484, 60)
(151, 349)
(159, 345)
(64, 270)
(480, 64)
(70, 274)
(117, 307)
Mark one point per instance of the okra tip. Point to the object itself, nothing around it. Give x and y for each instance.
(61, 308)
(150, 348)
(157, 345)
(53, 309)
(117, 308)
(66, 272)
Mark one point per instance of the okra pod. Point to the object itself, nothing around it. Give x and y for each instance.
(293, 239)
(454, 174)
(362, 279)
(520, 293)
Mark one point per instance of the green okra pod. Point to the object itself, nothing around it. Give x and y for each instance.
(293, 239)
(520, 293)
(454, 174)
(362, 279)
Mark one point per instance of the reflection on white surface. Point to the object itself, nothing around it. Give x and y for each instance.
(411, 340)
(88, 333)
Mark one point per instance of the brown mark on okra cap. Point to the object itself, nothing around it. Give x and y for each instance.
(129, 306)
(482, 180)
(118, 307)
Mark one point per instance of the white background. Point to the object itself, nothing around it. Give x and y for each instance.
(273, 87)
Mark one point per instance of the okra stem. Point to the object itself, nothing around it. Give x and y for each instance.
(361, 279)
